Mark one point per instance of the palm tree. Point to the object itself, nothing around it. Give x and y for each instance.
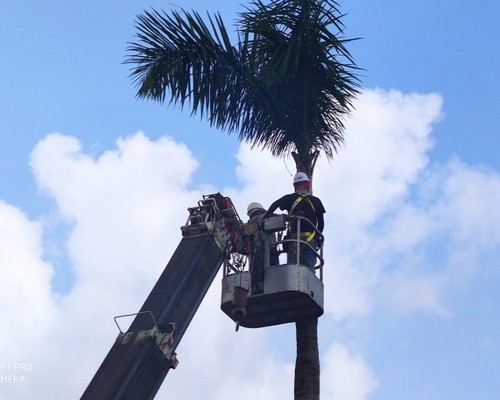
(286, 85)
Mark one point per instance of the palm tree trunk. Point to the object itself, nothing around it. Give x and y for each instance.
(307, 368)
(306, 163)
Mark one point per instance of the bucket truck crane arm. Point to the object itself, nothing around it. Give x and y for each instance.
(141, 357)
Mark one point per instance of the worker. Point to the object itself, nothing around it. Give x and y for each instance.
(255, 213)
(302, 203)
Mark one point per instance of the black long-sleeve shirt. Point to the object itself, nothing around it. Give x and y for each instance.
(309, 207)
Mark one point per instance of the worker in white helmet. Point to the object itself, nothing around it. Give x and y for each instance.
(254, 209)
(256, 236)
(302, 203)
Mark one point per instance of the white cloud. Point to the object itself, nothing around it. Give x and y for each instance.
(404, 292)
(28, 309)
(389, 137)
(262, 178)
(226, 362)
(345, 376)
(25, 296)
(386, 151)
(469, 198)
(452, 236)
(127, 197)
(124, 209)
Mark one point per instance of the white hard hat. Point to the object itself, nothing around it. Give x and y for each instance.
(300, 177)
(254, 206)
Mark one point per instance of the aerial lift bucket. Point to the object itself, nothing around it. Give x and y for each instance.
(290, 291)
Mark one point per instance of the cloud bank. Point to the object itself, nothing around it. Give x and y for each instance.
(401, 234)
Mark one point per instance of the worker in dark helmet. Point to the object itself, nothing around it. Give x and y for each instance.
(302, 203)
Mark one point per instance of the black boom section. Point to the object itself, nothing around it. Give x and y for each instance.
(182, 285)
(135, 366)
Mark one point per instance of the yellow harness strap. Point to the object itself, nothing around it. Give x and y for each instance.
(308, 235)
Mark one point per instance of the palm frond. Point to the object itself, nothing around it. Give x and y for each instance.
(286, 85)
(307, 67)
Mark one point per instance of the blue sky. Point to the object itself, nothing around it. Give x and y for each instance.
(94, 185)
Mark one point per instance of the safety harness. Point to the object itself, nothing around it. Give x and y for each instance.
(303, 196)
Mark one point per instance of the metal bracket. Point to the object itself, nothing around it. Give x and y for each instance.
(207, 218)
(164, 340)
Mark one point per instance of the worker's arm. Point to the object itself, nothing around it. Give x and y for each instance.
(321, 222)
(272, 209)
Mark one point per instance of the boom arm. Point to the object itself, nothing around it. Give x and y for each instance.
(140, 358)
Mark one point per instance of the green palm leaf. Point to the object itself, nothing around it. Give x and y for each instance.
(286, 85)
